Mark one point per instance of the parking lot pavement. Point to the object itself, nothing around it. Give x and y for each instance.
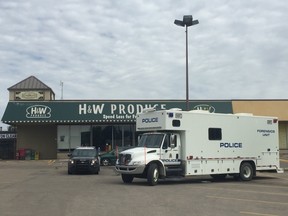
(44, 188)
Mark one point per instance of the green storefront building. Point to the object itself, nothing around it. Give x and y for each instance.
(49, 126)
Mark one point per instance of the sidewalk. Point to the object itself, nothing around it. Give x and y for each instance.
(284, 159)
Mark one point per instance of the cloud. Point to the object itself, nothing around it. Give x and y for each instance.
(132, 50)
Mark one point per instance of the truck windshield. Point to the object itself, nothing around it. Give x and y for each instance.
(151, 140)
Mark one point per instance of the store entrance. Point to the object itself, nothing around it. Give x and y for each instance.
(7, 147)
(103, 137)
(107, 137)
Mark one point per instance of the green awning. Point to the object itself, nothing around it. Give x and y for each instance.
(75, 112)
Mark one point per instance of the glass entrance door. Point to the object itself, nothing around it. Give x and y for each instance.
(105, 137)
(109, 136)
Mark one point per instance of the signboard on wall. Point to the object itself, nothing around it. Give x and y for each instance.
(8, 136)
(98, 111)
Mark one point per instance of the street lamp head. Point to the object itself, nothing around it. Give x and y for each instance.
(195, 22)
(187, 21)
(179, 23)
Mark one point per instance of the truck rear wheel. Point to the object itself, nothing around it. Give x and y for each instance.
(127, 178)
(246, 172)
(153, 174)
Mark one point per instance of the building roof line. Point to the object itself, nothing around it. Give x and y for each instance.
(30, 83)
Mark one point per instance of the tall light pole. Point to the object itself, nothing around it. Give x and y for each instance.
(186, 22)
(61, 84)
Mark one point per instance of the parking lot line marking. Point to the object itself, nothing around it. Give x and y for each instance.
(248, 200)
(254, 213)
(246, 191)
(51, 162)
(266, 175)
(260, 185)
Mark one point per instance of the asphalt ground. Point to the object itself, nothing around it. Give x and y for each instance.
(44, 188)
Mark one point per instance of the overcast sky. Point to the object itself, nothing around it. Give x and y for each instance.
(131, 49)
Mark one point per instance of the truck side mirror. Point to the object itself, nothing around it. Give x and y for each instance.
(138, 138)
(173, 141)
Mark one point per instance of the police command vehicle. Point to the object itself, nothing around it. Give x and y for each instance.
(188, 143)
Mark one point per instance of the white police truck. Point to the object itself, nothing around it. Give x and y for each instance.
(178, 143)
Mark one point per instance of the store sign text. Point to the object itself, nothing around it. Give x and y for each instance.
(117, 109)
(38, 111)
(8, 136)
(205, 107)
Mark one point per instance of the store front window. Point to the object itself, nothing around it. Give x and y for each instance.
(110, 136)
(105, 137)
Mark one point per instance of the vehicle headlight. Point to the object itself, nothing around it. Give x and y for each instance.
(93, 161)
(71, 161)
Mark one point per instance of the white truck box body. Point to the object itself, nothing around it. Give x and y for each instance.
(187, 143)
(244, 137)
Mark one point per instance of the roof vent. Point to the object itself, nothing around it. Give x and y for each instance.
(243, 114)
(152, 109)
(175, 109)
(200, 111)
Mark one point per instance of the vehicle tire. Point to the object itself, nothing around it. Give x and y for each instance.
(153, 174)
(218, 176)
(127, 178)
(105, 162)
(246, 172)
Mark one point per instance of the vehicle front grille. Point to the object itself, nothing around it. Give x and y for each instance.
(124, 159)
(82, 165)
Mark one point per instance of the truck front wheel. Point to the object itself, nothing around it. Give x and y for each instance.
(246, 172)
(127, 178)
(153, 174)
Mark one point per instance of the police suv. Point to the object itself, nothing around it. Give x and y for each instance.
(84, 159)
